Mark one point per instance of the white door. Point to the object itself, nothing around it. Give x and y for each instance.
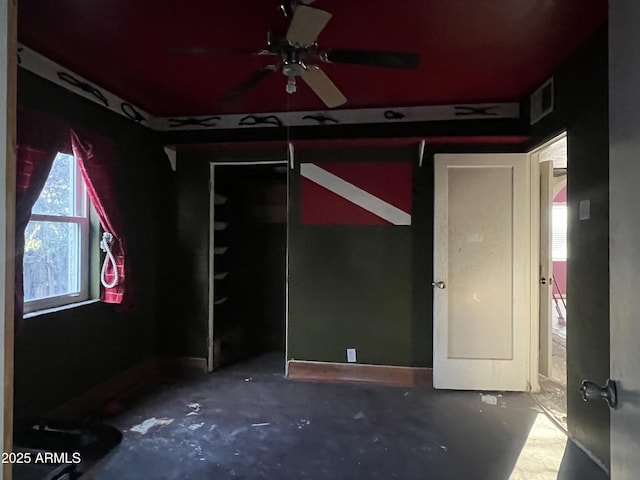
(482, 272)
(624, 232)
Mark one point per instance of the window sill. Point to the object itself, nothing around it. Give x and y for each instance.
(61, 308)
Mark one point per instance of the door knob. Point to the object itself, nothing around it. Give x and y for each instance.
(591, 391)
(543, 281)
(440, 285)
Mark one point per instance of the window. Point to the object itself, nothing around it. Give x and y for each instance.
(559, 232)
(56, 255)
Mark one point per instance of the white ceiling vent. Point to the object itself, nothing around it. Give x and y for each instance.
(541, 102)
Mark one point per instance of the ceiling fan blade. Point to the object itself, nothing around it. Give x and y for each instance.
(371, 57)
(248, 83)
(323, 87)
(306, 25)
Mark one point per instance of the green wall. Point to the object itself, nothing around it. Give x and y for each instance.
(59, 355)
(352, 286)
(581, 107)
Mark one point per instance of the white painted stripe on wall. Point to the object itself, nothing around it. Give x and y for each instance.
(355, 194)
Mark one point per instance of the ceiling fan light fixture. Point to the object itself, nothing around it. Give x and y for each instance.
(291, 86)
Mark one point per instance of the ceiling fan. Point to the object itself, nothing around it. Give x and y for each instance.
(297, 55)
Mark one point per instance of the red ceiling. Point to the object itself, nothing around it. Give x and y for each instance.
(471, 50)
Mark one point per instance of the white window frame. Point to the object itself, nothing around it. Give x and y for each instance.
(83, 259)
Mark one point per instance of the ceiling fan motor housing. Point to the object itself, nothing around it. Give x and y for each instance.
(293, 69)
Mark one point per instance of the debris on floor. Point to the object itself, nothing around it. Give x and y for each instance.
(443, 448)
(260, 424)
(359, 416)
(149, 423)
(196, 426)
(490, 399)
(303, 423)
(194, 406)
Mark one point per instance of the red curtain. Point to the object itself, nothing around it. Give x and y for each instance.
(98, 162)
(39, 140)
(33, 167)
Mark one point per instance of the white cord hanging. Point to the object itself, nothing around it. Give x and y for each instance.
(107, 238)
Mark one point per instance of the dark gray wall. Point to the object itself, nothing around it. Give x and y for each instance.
(186, 333)
(581, 91)
(59, 355)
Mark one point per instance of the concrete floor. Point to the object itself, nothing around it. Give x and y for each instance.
(553, 390)
(559, 345)
(248, 421)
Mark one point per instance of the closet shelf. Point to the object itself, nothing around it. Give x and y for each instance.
(220, 199)
(220, 301)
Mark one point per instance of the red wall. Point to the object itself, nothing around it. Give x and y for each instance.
(560, 274)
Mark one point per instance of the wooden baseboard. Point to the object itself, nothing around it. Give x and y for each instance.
(182, 365)
(360, 373)
(142, 375)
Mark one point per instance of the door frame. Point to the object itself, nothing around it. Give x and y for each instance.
(545, 270)
(211, 300)
(8, 99)
(537, 331)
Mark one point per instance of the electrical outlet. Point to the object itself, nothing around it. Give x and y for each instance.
(351, 355)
